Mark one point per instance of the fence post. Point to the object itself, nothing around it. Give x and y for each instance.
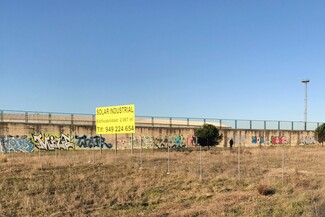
(264, 125)
(292, 125)
(94, 120)
(279, 125)
(26, 117)
(188, 122)
(250, 124)
(238, 162)
(236, 124)
(170, 122)
(71, 119)
(168, 172)
(140, 152)
(50, 117)
(152, 121)
(132, 144)
(282, 160)
(200, 162)
(1, 114)
(305, 127)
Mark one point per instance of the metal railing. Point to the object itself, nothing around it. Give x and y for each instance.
(34, 117)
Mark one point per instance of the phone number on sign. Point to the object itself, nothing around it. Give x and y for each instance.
(119, 129)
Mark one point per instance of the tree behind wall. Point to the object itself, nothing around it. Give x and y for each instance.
(208, 135)
(320, 133)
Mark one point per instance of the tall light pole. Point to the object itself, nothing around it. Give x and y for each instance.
(305, 120)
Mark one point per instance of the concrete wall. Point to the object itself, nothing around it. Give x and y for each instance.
(254, 138)
(30, 136)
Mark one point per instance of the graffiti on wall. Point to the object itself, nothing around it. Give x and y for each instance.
(148, 141)
(51, 142)
(258, 140)
(48, 142)
(122, 143)
(307, 140)
(126, 142)
(278, 140)
(91, 142)
(178, 142)
(163, 142)
(169, 141)
(16, 144)
(193, 141)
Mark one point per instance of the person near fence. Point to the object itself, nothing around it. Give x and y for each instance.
(231, 143)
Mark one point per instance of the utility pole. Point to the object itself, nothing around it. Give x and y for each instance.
(306, 81)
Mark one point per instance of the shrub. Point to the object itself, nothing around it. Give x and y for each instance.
(320, 133)
(208, 135)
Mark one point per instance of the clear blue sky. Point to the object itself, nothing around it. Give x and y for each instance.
(215, 59)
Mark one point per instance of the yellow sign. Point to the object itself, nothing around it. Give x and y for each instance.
(115, 119)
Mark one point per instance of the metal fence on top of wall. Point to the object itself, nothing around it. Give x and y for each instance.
(14, 116)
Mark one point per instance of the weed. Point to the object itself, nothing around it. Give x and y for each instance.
(93, 184)
(265, 190)
(3, 159)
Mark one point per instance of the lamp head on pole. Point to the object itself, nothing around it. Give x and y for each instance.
(305, 81)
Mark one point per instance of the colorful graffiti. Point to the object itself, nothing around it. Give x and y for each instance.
(157, 142)
(16, 144)
(92, 142)
(169, 141)
(193, 141)
(258, 140)
(122, 143)
(178, 142)
(307, 140)
(51, 142)
(163, 142)
(126, 142)
(275, 140)
(148, 141)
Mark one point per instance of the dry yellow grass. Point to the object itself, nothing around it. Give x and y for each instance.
(92, 184)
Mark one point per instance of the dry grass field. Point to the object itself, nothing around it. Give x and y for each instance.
(93, 184)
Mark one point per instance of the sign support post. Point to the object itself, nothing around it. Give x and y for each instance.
(100, 143)
(115, 147)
